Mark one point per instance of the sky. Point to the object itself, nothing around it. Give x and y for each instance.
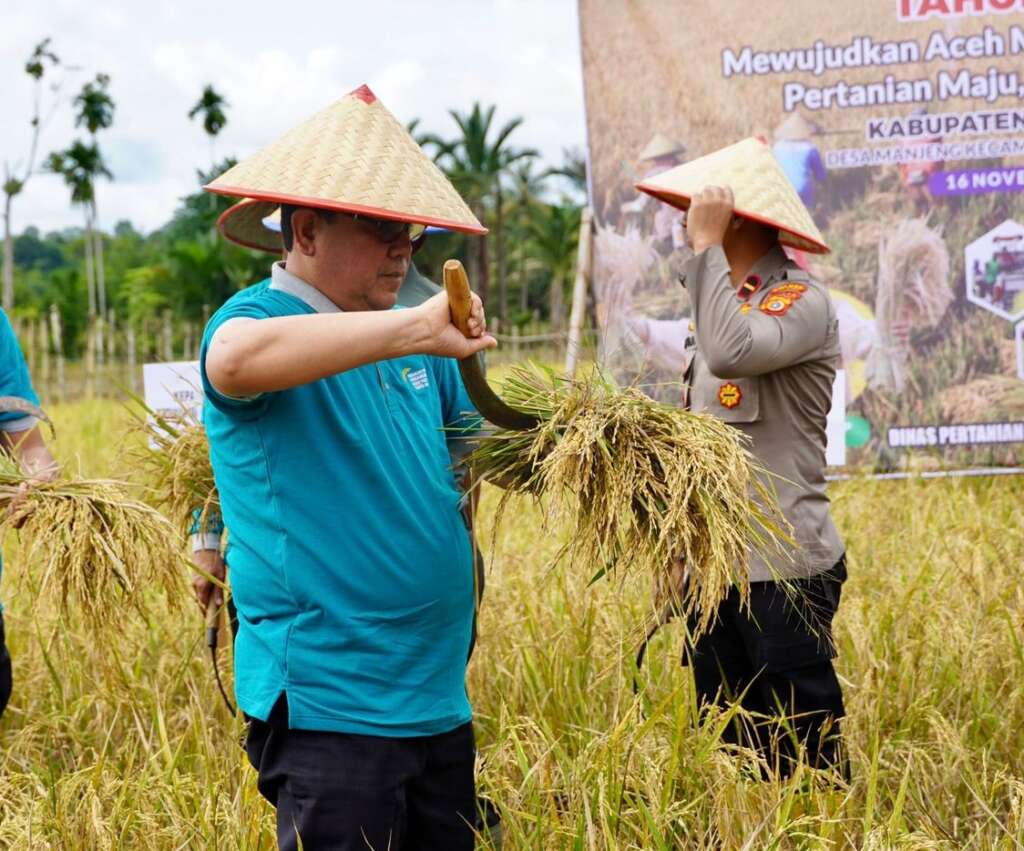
(276, 64)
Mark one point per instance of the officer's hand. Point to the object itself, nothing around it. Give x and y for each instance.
(212, 563)
(443, 338)
(709, 216)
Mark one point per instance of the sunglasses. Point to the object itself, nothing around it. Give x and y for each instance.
(389, 230)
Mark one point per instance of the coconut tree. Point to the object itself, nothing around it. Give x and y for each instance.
(41, 60)
(81, 165)
(476, 161)
(211, 105)
(94, 108)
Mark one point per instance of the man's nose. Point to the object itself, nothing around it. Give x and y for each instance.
(401, 247)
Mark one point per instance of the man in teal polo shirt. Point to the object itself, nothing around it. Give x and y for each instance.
(20, 437)
(351, 564)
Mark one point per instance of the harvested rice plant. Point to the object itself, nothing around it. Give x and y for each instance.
(124, 743)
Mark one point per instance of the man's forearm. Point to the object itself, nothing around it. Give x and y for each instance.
(252, 356)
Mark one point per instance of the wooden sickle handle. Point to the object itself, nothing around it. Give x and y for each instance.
(456, 284)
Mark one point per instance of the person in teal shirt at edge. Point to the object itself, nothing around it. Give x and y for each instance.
(22, 439)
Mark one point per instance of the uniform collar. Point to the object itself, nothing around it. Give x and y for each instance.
(283, 280)
(770, 264)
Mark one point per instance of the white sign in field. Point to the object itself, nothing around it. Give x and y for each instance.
(173, 390)
(835, 425)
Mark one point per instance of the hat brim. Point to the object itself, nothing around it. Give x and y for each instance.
(787, 236)
(243, 225)
(344, 207)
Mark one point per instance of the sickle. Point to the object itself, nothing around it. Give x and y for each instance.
(15, 404)
(487, 402)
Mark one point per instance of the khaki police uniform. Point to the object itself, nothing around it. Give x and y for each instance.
(763, 357)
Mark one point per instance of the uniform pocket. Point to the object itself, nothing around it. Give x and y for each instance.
(734, 400)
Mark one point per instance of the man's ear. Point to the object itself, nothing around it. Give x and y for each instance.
(304, 228)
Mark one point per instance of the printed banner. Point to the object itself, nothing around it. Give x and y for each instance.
(901, 125)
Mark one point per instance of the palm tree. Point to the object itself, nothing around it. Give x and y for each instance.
(15, 178)
(212, 106)
(476, 162)
(95, 109)
(81, 165)
(555, 231)
(527, 187)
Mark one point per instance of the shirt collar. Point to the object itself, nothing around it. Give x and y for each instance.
(283, 280)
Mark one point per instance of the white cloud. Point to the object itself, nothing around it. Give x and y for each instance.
(275, 69)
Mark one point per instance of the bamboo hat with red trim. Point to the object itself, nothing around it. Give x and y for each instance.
(356, 157)
(761, 190)
(246, 224)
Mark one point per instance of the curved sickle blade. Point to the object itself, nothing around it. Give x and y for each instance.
(15, 404)
(488, 403)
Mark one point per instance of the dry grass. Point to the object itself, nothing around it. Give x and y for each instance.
(640, 484)
(139, 753)
(98, 552)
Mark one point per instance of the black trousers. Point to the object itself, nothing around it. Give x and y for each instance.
(775, 659)
(342, 792)
(6, 676)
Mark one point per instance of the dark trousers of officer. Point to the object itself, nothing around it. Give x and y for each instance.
(340, 791)
(775, 659)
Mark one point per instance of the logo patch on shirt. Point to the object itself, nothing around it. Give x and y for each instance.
(729, 395)
(416, 377)
(781, 299)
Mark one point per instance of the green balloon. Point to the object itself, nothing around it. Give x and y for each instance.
(858, 431)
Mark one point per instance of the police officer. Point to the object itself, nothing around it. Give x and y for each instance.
(763, 356)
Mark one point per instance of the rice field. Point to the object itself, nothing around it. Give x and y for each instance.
(120, 741)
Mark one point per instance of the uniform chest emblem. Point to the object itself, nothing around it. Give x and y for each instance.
(781, 299)
(729, 395)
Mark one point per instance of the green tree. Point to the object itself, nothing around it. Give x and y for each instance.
(476, 162)
(42, 60)
(94, 108)
(211, 105)
(526, 188)
(555, 230)
(81, 165)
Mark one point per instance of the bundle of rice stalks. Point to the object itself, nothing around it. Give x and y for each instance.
(992, 397)
(176, 463)
(640, 484)
(913, 292)
(93, 549)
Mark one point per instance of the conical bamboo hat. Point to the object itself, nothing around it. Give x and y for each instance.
(356, 157)
(760, 187)
(243, 224)
(661, 146)
(796, 128)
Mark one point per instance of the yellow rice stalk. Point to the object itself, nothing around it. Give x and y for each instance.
(640, 484)
(93, 548)
(176, 463)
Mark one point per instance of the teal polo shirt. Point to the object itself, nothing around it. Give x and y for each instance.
(14, 381)
(351, 565)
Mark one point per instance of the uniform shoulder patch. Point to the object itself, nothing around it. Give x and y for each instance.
(729, 395)
(780, 299)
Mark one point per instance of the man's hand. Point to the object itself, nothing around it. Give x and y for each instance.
(443, 338)
(34, 458)
(212, 563)
(709, 217)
